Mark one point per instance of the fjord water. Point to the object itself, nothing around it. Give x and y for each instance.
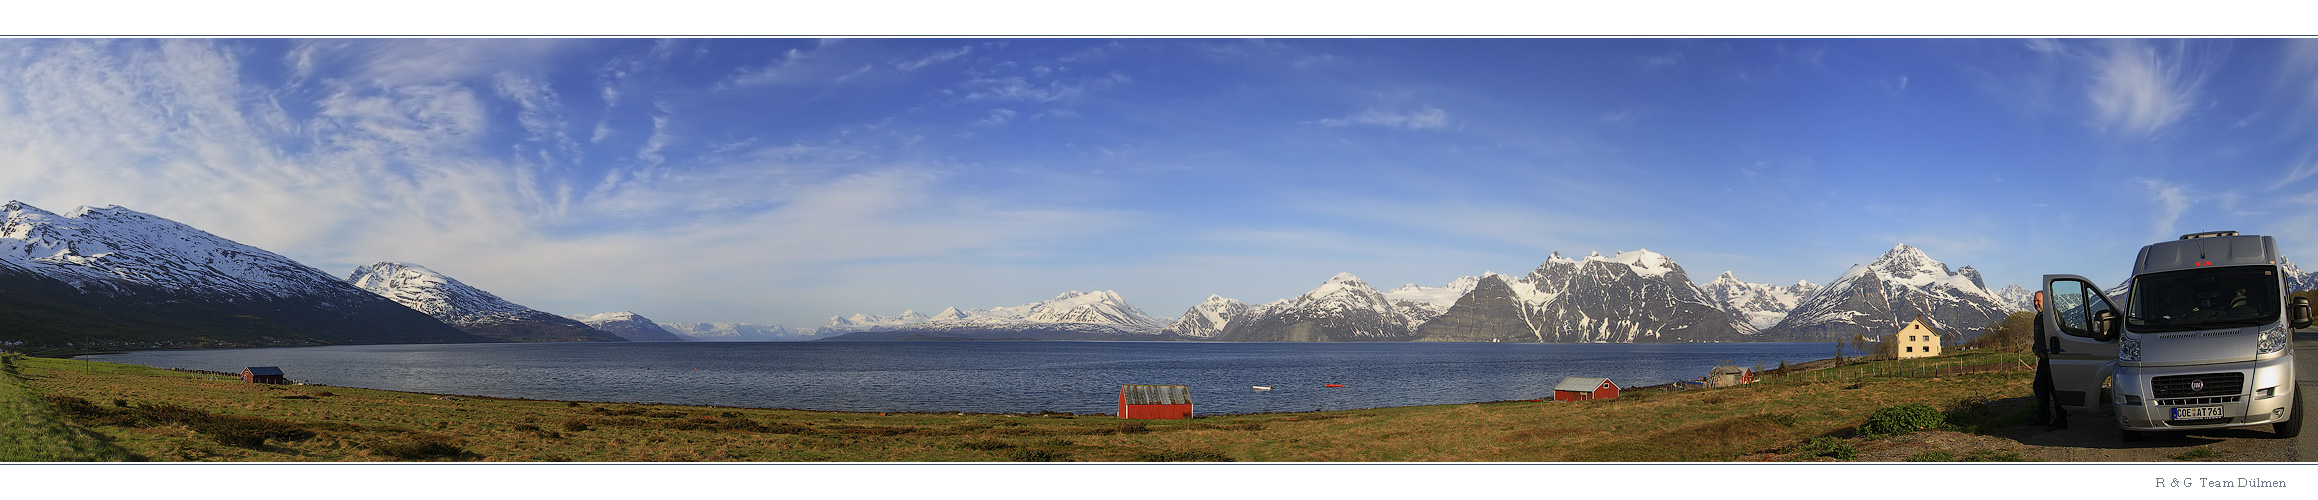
(987, 376)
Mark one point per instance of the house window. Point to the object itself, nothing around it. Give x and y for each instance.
(1911, 348)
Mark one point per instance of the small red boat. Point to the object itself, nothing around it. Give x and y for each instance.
(1336, 385)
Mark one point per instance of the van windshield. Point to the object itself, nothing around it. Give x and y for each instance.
(2204, 299)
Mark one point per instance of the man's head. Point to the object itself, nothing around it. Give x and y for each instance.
(2039, 298)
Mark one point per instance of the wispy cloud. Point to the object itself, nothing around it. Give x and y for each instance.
(1425, 118)
(931, 59)
(2138, 91)
(1660, 61)
(997, 117)
(2172, 200)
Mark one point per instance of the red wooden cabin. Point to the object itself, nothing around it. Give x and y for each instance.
(1584, 388)
(1154, 401)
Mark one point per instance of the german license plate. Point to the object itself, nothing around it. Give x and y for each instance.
(2197, 412)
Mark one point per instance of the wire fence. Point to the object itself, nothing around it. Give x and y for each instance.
(1863, 369)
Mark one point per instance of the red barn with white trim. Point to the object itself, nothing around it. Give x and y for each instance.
(1154, 401)
(1584, 388)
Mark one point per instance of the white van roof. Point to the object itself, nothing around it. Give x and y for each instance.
(2207, 251)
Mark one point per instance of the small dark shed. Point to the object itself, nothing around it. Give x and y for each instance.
(1154, 401)
(263, 375)
(1584, 388)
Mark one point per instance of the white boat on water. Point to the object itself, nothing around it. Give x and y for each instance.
(1263, 388)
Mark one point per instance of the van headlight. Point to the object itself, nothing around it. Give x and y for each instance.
(2273, 340)
(2129, 350)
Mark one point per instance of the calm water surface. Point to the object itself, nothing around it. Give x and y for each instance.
(988, 376)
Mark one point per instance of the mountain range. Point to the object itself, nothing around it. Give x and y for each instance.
(113, 278)
(1636, 296)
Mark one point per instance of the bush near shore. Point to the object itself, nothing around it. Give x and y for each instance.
(152, 414)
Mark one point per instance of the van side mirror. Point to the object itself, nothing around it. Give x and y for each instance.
(2299, 313)
(2106, 324)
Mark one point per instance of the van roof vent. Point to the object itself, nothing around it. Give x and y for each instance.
(2209, 234)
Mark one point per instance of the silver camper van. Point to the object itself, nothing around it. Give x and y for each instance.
(2203, 340)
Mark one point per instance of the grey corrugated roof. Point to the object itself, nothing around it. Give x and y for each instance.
(1727, 369)
(1580, 384)
(265, 370)
(1156, 394)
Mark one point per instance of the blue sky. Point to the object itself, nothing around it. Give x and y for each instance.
(784, 181)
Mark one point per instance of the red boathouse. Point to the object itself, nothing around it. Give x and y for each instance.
(1584, 388)
(1154, 401)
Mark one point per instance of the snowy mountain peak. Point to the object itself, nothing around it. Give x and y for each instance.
(2296, 280)
(1760, 305)
(1878, 297)
(114, 249)
(467, 307)
(1208, 317)
(1908, 258)
(604, 317)
(628, 325)
(430, 292)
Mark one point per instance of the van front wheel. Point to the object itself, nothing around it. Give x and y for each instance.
(2293, 424)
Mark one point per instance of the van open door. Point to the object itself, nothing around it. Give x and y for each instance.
(2080, 333)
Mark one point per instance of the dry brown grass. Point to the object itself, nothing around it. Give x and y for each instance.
(350, 424)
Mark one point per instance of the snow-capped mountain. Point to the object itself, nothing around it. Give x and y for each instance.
(2296, 280)
(114, 278)
(1637, 296)
(472, 310)
(1207, 318)
(1071, 315)
(736, 332)
(1760, 305)
(1420, 304)
(1343, 309)
(2015, 298)
(627, 325)
(1879, 297)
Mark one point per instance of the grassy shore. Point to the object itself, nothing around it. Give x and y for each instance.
(82, 410)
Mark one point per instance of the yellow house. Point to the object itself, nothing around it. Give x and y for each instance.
(1915, 340)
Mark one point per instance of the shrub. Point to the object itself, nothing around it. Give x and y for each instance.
(418, 447)
(574, 425)
(1902, 419)
(1824, 447)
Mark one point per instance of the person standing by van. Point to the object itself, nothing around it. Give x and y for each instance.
(2048, 410)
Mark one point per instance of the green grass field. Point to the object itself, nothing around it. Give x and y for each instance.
(139, 413)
